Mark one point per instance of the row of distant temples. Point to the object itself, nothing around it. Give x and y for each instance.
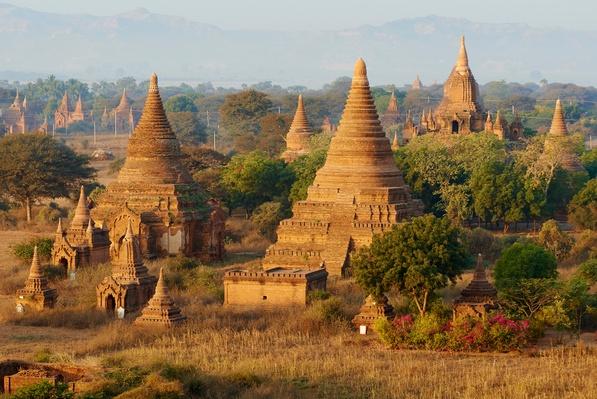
(18, 117)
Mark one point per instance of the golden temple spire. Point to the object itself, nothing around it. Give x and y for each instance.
(558, 124)
(81, 218)
(462, 62)
(299, 134)
(35, 271)
(395, 142)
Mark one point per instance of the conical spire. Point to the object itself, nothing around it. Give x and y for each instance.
(498, 121)
(153, 153)
(25, 102)
(128, 264)
(17, 100)
(89, 230)
(129, 235)
(79, 105)
(161, 310)
(395, 142)
(479, 288)
(63, 107)
(558, 124)
(359, 155)
(392, 104)
(299, 134)
(81, 218)
(35, 271)
(462, 61)
(59, 229)
(124, 105)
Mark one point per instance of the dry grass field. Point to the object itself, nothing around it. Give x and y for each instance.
(292, 353)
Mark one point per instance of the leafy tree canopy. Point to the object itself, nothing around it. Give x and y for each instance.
(416, 257)
(180, 103)
(522, 262)
(582, 210)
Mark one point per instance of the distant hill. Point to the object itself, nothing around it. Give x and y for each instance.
(138, 42)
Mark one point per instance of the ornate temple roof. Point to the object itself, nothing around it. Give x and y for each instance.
(79, 106)
(359, 155)
(128, 265)
(153, 154)
(558, 124)
(63, 106)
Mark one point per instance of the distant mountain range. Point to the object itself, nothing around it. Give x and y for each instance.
(138, 42)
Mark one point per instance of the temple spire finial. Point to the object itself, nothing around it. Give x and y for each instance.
(462, 62)
(558, 123)
(35, 271)
(360, 69)
(129, 230)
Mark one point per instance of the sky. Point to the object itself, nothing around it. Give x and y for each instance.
(337, 14)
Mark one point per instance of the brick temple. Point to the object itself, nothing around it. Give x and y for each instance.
(168, 210)
(359, 192)
(299, 134)
(460, 110)
(130, 285)
(83, 243)
(161, 310)
(478, 297)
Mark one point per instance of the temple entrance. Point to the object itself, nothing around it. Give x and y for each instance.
(110, 304)
(63, 262)
(455, 127)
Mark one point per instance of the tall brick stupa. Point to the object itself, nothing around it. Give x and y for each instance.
(168, 210)
(359, 192)
(299, 134)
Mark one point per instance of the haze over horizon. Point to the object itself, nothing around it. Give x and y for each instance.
(299, 43)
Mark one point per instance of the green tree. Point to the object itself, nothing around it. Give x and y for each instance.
(415, 257)
(266, 217)
(522, 262)
(589, 161)
(582, 210)
(180, 103)
(36, 166)
(273, 129)
(187, 127)
(305, 168)
(254, 178)
(240, 115)
(552, 238)
(529, 296)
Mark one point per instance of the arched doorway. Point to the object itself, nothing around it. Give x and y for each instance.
(455, 127)
(110, 304)
(63, 262)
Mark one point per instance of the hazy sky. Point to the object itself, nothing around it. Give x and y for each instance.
(334, 14)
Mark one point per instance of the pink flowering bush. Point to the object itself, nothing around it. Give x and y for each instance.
(496, 333)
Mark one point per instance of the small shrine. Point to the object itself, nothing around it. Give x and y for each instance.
(161, 310)
(130, 285)
(479, 297)
(37, 294)
(83, 243)
(372, 310)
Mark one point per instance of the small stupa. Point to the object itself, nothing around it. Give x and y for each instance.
(500, 129)
(417, 84)
(557, 142)
(372, 310)
(359, 192)
(36, 294)
(161, 310)
(478, 297)
(130, 285)
(299, 135)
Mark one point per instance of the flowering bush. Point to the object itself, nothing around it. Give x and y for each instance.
(496, 333)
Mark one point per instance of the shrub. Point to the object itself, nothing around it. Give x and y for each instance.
(497, 333)
(552, 238)
(582, 210)
(24, 250)
(327, 311)
(523, 261)
(481, 241)
(266, 218)
(44, 390)
(50, 213)
(116, 165)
